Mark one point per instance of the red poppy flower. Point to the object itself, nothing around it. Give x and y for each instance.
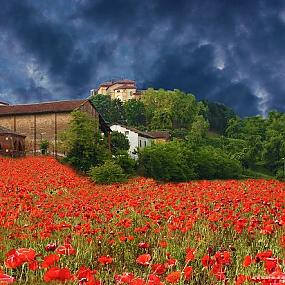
(124, 278)
(85, 276)
(173, 277)
(105, 259)
(240, 279)
(163, 244)
(188, 272)
(159, 268)
(58, 274)
(247, 261)
(154, 280)
(143, 245)
(17, 257)
(33, 265)
(190, 254)
(66, 249)
(6, 279)
(270, 264)
(50, 260)
(171, 262)
(137, 281)
(50, 247)
(144, 259)
(207, 261)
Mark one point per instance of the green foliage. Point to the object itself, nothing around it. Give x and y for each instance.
(242, 129)
(166, 162)
(218, 116)
(135, 113)
(264, 139)
(117, 112)
(44, 146)
(119, 142)
(111, 110)
(214, 163)
(198, 130)
(128, 164)
(107, 173)
(161, 120)
(103, 105)
(179, 133)
(82, 142)
(170, 109)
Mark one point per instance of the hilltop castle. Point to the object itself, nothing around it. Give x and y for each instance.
(120, 89)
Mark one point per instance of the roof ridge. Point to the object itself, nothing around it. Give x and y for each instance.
(46, 102)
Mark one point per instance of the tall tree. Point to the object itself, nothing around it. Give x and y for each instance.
(103, 104)
(174, 109)
(218, 116)
(135, 113)
(111, 110)
(82, 142)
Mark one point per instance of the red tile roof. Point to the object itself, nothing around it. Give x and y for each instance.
(160, 134)
(125, 86)
(106, 84)
(123, 81)
(47, 107)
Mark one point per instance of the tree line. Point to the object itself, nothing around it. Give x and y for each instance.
(209, 141)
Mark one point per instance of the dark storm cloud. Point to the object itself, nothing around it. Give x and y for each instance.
(226, 51)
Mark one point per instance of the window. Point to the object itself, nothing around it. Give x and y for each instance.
(118, 91)
(127, 133)
(145, 143)
(140, 143)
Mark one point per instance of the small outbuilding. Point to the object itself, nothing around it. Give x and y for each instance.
(11, 143)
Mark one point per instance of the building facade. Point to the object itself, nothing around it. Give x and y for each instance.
(121, 89)
(11, 143)
(137, 139)
(46, 121)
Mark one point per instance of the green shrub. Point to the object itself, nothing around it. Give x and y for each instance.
(44, 146)
(214, 163)
(166, 162)
(82, 142)
(107, 173)
(119, 142)
(126, 162)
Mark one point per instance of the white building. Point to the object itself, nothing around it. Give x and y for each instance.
(139, 139)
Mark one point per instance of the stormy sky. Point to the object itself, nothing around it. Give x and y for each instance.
(228, 51)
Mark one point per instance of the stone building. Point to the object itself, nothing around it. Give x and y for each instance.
(121, 89)
(46, 121)
(11, 143)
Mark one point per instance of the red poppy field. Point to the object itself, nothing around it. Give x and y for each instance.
(58, 227)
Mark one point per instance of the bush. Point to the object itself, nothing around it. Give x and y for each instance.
(108, 173)
(214, 163)
(82, 142)
(166, 162)
(119, 142)
(44, 146)
(126, 162)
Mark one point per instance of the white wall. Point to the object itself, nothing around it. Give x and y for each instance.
(144, 142)
(131, 136)
(136, 141)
